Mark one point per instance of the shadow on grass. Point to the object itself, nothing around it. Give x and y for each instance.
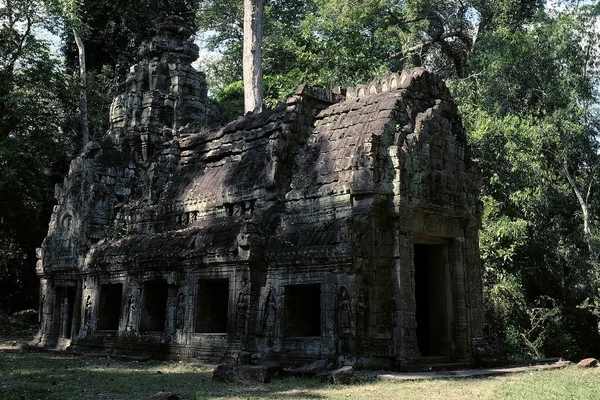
(62, 376)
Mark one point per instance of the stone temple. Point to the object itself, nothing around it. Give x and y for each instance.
(340, 225)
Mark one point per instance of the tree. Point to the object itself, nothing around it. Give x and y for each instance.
(83, 105)
(527, 100)
(34, 147)
(280, 50)
(110, 34)
(38, 99)
(346, 42)
(71, 10)
(252, 58)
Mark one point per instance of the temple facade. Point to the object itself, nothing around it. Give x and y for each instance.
(340, 225)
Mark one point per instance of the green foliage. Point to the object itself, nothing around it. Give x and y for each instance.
(34, 147)
(13, 270)
(277, 88)
(282, 41)
(113, 31)
(116, 229)
(526, 106)
(346, 42)
(230, 101)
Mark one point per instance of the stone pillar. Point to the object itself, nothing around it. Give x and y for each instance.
(474, 298)
(64, 316)
(459, 298)
(45, 310)
(76, 323)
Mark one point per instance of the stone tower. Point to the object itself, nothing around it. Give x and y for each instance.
(162, 99)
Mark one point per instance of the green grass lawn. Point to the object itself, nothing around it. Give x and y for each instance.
(54, 376)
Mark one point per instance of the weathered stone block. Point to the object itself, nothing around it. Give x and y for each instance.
(258, 373)
(165, 396)
(587, 363)
(342, 376)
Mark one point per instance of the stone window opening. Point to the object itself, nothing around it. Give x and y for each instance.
(432, 295)
(109, 306)
(302, 310)
(154, 306)
(213, 306)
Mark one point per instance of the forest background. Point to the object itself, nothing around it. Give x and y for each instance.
(524, 73)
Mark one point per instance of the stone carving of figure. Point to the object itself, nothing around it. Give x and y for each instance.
(361, 312)
(244, 278)
(180, 317)
(87, 312)
(144, 138)
(130, 314)
(41, 309)
(42, 315)
(43, 325)
(344, 321)
(269, 315)
(344, 312)
(242, 311)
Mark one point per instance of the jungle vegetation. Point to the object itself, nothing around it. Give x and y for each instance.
(525, 75)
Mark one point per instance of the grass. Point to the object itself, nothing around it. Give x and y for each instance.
(25, 375)
(60, 376)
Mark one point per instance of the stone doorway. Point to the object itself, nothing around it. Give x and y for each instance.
(109, 309)
(155, 306)
(213, 306)
(433, 300)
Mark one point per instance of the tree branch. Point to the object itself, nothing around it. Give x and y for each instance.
(572, 181)
(589, 189)
(400, 21)
(587, 228)
(18, 52)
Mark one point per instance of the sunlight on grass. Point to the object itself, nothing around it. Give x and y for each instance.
(45, 376)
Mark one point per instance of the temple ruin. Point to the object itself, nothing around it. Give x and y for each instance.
(339, 225)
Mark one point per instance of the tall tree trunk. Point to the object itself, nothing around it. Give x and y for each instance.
(252, 55)
(588, 232)
(83, 113)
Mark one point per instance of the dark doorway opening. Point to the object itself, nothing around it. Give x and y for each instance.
(213, 306)
(302, 310)
(155, 306)
(432, 298)
(66, 300)
(109, 307)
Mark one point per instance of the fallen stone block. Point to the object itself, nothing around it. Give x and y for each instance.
(263, 372)
(342, 376)
(587, 363)
(165, 396)
(315, 368)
